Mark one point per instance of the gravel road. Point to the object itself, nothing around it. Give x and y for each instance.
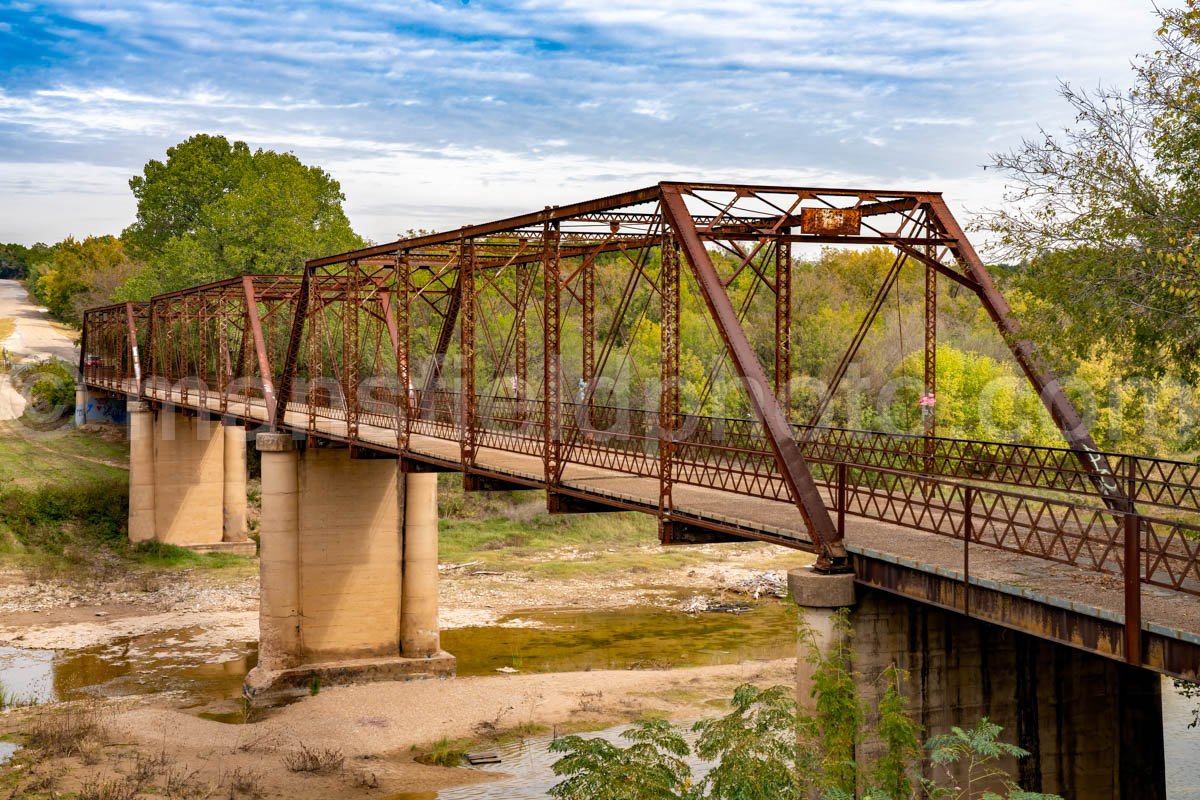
(35, 336)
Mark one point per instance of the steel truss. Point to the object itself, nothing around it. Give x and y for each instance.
(434, 336)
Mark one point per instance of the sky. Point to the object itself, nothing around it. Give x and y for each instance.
(436, 114)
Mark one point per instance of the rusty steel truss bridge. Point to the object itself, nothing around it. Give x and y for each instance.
(495, 351)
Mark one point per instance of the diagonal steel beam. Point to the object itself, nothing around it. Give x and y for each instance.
(260, 350)
(1062, 411)
(832, 555)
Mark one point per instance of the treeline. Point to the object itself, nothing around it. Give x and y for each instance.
(213, 209)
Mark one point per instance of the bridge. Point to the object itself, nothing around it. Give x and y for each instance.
(508, 352)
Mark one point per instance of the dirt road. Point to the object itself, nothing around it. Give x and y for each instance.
(36, 336)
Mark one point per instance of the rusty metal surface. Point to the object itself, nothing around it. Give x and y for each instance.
(831, 221)
(431, 337)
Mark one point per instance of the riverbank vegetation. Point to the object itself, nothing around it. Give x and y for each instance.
(768, 747)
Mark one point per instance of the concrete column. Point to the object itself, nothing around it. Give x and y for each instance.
(189, 481)
(419, 636)
(234, 492)
(81, 401)
(279, 554)
(819, 597)
(141, 471)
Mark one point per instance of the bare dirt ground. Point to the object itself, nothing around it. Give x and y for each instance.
(66, 614)
(152, 744)
(373, 733)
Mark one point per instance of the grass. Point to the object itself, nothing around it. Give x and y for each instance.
(511, 531)
(8, 326)
(31, 458)
(64, 499)
(444, 752)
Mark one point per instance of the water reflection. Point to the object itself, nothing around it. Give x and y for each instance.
(170, 661)
(570, 640)
(527, 765)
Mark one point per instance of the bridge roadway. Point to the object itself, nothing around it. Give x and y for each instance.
(1055, 601)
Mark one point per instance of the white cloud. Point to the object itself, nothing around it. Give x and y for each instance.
(439, 113)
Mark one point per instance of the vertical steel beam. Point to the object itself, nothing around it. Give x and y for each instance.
(134, 355)
(588, 295)
(552, 413)
(929, 402)
(350, 347)
(783, 324)
(832, 555)
(668, 399)
(524, 290)
(466, 288)
(403, 351)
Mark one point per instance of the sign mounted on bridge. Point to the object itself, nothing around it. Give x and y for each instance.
(830, 221)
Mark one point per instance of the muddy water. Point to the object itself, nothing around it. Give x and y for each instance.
(207, 676)
(179, 661)
(527, 766)
(570, 640)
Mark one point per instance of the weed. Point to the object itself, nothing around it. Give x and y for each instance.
(180, 784)
(445, 753)
(317, 760)
(148, 767)
(245, 783)
(126, 788)
(314, 688)
(66, 731)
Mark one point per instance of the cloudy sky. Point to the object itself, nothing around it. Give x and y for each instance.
(438, 114)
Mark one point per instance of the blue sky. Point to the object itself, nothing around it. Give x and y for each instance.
(438, 114)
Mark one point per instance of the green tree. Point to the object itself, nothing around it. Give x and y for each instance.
(173, 195)
(652, 768)
(753, 748)
(976, 749)
(216, 210)
(81, 273)
(1103, 216)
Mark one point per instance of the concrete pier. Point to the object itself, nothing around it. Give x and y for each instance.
(233, 494)
(187, 481)
(1092, 725)
(419, 616)
(279, 555)
(349, 571)
(141, 471)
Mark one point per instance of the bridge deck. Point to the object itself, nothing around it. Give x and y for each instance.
(1061, 602)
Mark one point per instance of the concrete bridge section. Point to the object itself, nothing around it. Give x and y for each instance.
(1092, 725)
(1076, 568)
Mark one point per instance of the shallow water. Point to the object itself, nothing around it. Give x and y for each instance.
(169, 661)
(571, 640)
(208, 678)
(527, 766)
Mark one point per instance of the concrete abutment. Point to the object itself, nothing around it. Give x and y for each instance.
(1092, 725)
(348, 570)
